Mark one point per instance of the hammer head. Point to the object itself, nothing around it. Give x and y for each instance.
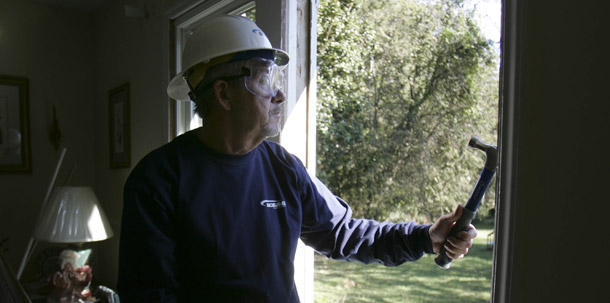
(491, 152)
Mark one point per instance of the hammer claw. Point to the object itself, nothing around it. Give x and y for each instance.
(491, 152)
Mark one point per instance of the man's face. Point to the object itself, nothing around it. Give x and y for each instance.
(259, 114)
(268, 113)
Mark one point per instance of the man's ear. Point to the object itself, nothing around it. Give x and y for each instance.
(222, 93)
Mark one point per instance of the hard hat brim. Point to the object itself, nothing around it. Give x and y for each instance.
(178, 89)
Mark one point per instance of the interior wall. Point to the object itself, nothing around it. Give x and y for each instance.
(129, 49)
(72, 59)
(562, 126)
(54, 49)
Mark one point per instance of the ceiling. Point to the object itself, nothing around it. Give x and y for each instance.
(79, 5)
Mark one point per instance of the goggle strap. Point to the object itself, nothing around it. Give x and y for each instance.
(245, 72)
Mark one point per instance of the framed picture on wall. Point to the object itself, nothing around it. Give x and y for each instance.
(118, 122)
(15, 153)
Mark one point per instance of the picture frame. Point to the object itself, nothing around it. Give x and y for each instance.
(119, 133)
(15, 153)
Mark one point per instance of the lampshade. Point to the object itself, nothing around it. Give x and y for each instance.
(72, 215)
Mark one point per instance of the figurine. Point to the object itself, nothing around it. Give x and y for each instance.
(71, 285)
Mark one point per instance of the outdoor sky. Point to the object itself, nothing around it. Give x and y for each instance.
(488, 14)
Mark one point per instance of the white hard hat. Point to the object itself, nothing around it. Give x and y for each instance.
(219, 37)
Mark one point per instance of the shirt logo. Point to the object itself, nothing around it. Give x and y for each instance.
(275, 204)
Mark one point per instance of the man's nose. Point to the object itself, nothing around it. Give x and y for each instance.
(279, 97)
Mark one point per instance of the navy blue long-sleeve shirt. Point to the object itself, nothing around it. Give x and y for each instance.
(199, 226)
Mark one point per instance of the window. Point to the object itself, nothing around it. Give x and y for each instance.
(394, 120)
(182, 115)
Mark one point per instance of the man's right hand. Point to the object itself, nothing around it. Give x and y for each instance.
(456, 246)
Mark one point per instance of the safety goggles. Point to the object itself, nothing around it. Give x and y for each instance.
(262, 77)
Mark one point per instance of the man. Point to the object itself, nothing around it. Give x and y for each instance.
(215, 215)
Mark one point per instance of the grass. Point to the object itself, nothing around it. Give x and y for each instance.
(468, 280)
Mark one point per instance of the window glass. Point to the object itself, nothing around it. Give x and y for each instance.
(402, 87)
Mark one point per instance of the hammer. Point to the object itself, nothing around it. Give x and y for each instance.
(474, 201)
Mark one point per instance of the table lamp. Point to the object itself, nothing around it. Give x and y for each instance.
(72, 215)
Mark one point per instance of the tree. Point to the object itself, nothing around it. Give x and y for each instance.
(402, 87)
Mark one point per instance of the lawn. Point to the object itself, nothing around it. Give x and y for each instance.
(468, 280)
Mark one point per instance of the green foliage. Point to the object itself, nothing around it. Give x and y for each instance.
(403, 85)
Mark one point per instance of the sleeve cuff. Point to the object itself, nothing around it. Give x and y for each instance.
(425, 236)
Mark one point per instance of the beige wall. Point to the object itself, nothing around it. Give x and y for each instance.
(128, 50)
(72, 59)
(54, 49)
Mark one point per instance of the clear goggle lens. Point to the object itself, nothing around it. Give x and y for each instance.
(265, 78)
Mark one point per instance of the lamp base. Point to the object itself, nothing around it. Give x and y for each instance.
(71, 284)
(58, 269)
